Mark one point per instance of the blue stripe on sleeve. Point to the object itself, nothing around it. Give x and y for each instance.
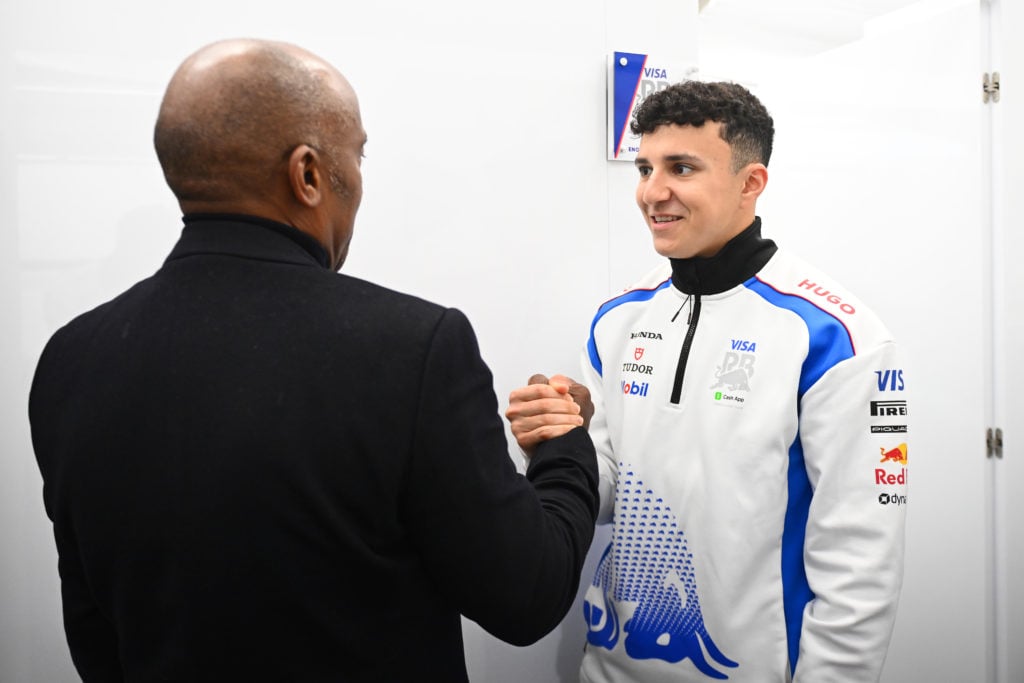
(630, 296)
(796, 592)
(829, 343)
(829, 340)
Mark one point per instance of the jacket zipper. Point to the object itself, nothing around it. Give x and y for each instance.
(684, 353)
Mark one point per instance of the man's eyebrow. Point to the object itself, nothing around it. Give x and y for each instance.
(683, 157)
(670, 158)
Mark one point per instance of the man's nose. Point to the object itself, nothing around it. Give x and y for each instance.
(654, 189)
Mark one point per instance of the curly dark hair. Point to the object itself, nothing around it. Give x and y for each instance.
(746, 124)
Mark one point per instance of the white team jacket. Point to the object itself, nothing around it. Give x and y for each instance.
(754, 464)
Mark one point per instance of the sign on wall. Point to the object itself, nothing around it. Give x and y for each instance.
(631, 78)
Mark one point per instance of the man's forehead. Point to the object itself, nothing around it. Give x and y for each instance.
(707, 129)
(672, 140)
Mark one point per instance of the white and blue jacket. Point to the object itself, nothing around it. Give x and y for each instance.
(751, 428)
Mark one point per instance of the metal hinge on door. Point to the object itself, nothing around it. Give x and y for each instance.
(990, 87)
(994, 442)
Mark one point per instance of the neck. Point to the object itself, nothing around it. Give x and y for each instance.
(736, 262)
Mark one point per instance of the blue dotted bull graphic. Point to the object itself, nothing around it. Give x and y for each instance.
(648, 563)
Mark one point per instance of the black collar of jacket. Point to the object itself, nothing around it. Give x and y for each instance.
(247, 236)
(738, 261)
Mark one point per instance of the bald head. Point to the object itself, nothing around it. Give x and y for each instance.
(235, 110)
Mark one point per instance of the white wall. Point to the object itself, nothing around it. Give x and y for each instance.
(486, 188)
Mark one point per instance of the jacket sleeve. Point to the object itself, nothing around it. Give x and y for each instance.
(91, 637)
(607, 465)
(505, 549)
(853, 549)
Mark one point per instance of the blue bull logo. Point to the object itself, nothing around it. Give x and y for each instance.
(648, 563)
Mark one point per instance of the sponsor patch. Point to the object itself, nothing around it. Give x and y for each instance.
(892, 499)
(732, 377)
(884, 478)
(634, 388)
(889, 380)
(888, 408)
(887, 476)
(897, 455)
(637, 368)
(827, 296)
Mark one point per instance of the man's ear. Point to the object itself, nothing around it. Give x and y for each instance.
(755, 182)
(306, 175)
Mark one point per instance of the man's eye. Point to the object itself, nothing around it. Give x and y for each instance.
(683, 169)
(644, 171)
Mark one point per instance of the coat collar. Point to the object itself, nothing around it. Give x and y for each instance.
(249, 237)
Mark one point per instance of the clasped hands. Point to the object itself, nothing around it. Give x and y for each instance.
(547, 408)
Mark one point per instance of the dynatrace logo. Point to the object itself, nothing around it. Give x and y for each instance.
(634, 388)
(892, 499)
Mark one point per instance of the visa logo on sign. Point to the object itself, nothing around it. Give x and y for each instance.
(651, 72)
(890, 380)
(743, 345)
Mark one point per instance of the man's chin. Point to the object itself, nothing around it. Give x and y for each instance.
(670, 250)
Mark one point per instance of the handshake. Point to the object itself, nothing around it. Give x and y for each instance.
(546, 408)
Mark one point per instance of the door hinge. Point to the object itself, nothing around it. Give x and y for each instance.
(990, 87)
(994, 442)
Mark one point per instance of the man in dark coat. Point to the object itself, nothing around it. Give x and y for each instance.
(261, 470)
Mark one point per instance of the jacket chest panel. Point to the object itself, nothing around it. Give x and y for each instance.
(740, 380)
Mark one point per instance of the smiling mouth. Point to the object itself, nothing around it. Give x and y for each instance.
(658, 220)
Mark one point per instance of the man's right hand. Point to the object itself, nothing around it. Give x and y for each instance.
(547, 408)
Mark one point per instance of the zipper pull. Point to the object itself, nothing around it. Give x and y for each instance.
(685, 301)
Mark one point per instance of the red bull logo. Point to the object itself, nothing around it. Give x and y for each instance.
(897, 455)
(883, 478)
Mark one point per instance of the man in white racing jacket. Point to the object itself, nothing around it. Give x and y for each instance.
(751, 427)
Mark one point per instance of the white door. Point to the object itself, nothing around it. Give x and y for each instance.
(1008, 338)
(875, 178)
